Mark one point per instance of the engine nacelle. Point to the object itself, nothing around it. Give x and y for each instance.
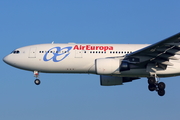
(107, 66)
(113, 80)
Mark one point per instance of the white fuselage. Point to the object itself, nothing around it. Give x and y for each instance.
(78, 58)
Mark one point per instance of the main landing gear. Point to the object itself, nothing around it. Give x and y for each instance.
(155, 85)
(36, 81)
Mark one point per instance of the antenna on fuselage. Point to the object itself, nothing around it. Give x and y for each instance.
(52, 42)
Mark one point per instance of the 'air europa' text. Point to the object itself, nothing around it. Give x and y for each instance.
(89, 47)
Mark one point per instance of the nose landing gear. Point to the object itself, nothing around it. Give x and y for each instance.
(155, 85)
(36, 81)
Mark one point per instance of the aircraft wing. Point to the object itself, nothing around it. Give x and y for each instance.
(158, 54)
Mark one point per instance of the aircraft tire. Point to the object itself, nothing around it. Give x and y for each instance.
(161, 86)
(151, 87)
(151, 81)
(161, 92)
(37, 81)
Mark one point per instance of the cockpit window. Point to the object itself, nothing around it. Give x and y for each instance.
(15, 52)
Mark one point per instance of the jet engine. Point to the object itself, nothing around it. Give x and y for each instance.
(106, 66)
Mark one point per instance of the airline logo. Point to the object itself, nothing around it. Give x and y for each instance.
(90, 47)
(58, 55)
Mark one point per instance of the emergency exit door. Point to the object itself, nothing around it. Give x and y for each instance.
(32, 52)
(78, 53)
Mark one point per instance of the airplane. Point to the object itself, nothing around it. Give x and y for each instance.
(115, 63)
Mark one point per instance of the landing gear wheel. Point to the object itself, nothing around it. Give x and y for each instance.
(161, 92)
(151, 81)
(152, 87)
(161, 86)
(37, 81)
(155, 85)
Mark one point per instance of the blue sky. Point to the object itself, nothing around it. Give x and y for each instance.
(80, 96)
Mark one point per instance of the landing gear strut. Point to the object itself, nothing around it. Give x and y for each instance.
(36, 81)
(155, 85)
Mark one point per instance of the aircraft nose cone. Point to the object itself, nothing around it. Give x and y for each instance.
(7, 59)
